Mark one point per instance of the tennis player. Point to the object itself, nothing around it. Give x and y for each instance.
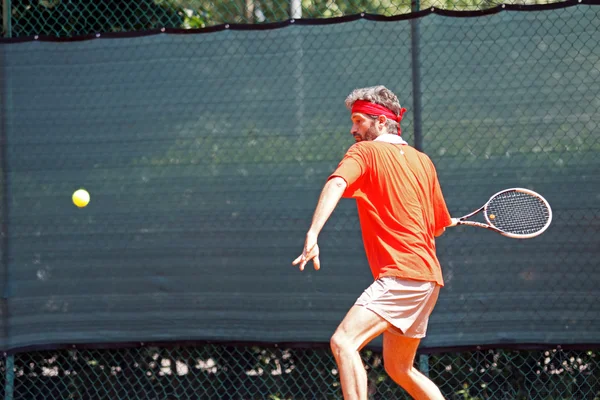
(401, 210)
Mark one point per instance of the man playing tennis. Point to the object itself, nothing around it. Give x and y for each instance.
(401, 210)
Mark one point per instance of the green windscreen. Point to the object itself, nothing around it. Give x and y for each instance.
(205, 154)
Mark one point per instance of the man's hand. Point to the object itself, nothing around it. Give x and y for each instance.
(310, 252)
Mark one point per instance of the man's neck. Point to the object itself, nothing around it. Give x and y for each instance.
(389, 138)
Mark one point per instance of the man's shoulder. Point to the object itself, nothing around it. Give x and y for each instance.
(360, 147)
(375, 147)
(369, 147)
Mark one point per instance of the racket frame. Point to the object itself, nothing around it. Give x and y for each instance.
(490, 225)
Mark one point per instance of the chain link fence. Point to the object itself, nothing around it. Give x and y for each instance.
(67, 18)
(261, 372)
(271, 373)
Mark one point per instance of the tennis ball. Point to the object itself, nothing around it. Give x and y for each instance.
(81, 198)
(492, 216)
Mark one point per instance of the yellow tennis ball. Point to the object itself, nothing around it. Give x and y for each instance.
(492, 216)
(81, 198)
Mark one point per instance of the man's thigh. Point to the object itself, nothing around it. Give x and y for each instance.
(399, 351)
(360, 326)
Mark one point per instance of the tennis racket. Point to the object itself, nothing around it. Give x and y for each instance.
(517, 213)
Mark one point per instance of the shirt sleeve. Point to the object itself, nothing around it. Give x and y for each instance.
(352, 169)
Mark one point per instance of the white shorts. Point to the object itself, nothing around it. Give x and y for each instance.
(404, 303)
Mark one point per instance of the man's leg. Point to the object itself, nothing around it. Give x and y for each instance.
(398, 358)
(358, 328)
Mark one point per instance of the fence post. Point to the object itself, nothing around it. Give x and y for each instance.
(295, 9)
(295, 13)
(9, 384)
(416, 74)
(424, 364)
(6, 18)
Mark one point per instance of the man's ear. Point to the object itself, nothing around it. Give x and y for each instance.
(382, 119)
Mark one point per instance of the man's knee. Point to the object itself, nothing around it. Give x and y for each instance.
(340, 343)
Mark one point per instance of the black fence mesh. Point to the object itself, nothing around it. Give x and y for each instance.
(253, 372)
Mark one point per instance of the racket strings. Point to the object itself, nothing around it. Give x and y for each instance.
(518, 213)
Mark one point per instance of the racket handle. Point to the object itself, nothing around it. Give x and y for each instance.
(454, 221)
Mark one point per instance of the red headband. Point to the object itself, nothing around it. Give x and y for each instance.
(366, 107)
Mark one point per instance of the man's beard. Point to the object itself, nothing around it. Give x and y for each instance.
(371, 133)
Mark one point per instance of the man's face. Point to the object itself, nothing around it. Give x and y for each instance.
(363, 127)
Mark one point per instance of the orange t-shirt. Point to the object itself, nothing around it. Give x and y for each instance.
(400, 207)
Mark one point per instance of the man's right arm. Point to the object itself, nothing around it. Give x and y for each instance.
(349, 171)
